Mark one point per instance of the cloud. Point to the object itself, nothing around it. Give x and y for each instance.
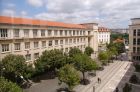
(23, 13)
(36, 3)
(110, 13)
(10, 5)
(8, 12)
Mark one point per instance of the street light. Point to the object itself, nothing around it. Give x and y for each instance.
(1, 74)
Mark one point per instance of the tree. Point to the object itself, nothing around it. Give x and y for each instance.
(103, 57)
(113, 48)
(8, 86)
(88, 51)
(84, 63)
(127, 88)
(53, 59)
(69, 75)
(74, 51)
(134, 79)
(120, 47)
(15, 67)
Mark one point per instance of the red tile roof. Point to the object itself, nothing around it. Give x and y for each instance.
(118, 41)
(26, 21)
(103, 29)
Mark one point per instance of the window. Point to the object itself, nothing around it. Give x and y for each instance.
(43, 43)
(42, 32)
(28, 57)
(138, 41)
(61, 32)
(73, 32)
(88, 33)
(77, 32)
(78, 40)
(35, 32)
(66, 41)
(81, 39)
(138, 49)
(134, 41)
(36, 55)
(17, 46)
(55, 32)
(3, 33)
(84, 40)
(83, 32)
(35, 44)
(27, 45)
(65, 32)
(49, 32)
(134, 49)
(61, 41)
(56, 42)
(70, 40)
(74, 41)
(5, 47)
(16, 33)
(26, 33)
(70, 32)
(50, 43)
(138, 32)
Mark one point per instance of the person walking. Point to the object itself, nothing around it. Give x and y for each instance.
(117, 90)
(98, 80)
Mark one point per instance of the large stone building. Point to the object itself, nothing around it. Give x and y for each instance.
(30, 37)
(134, 39)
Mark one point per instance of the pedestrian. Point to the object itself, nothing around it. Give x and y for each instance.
(117, 90)
(98, 80)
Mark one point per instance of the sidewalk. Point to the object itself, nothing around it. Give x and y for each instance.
(106, 76)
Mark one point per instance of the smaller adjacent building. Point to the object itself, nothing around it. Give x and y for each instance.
(103, 37)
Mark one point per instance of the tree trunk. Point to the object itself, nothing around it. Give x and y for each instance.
(83, 77)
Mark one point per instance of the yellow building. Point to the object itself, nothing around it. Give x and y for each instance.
(30, 37)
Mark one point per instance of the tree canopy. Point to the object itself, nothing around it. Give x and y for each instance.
(88, 51)
(69, 75)
(50, 60)
(103, 57)
(127, 88)
(15, 67)
(8, 86)
(84, 63)
(74, 51)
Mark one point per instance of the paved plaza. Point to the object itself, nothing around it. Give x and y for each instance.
(114, 75)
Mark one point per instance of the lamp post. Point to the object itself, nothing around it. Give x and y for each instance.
(1, 74)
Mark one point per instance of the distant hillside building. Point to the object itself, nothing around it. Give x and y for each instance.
(120, 30)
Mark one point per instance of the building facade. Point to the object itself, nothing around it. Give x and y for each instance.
(134, 39)
(29, 37)
(103, 35)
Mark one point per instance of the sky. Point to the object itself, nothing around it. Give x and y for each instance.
(108, 13)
